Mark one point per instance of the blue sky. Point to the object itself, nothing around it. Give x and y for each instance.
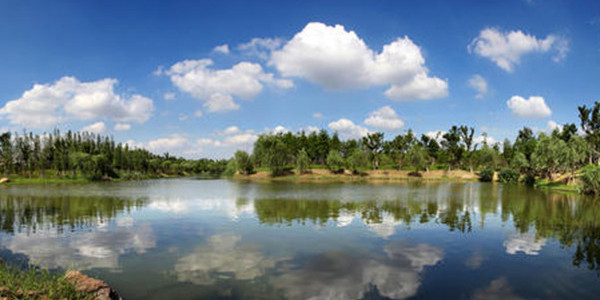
(149, 72)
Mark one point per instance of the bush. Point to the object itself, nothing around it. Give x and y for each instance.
(486, 175)
(243, 163)
(508, 176)
(335, 162)
(591, 180)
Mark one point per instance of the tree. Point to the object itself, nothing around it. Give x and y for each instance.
(417, 157)
(302, 161)
(590, 124)
(243, 162)
(357, 160)
(335, 162)
(373, 142)
(452, 145)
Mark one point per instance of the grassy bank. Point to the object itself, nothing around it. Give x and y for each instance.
(36, 284)
(326, 176)
(52, 179)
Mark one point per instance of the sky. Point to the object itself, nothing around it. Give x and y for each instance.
(204, 78)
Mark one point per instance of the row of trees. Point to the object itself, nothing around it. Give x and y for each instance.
(538, 155)
(89, 155)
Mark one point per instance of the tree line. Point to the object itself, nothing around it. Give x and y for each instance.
(543, 155)
(89, 155)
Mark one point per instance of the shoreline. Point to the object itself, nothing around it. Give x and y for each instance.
(370, 176)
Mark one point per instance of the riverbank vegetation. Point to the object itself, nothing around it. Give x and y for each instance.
(567, 157)
(83, 156)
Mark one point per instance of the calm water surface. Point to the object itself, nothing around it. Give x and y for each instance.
(217, 239)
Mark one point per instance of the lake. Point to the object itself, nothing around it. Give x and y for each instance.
(220, 239)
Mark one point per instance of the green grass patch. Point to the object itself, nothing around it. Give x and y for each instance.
(35, 283)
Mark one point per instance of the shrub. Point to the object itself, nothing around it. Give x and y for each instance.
(335, 162)
(508, 176)
(591, 180)
(486, 175)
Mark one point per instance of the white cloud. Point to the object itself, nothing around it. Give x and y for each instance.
(98, 127)
(551, 126)
(231, 130)
(260, 47)
(169, 96)
(534, 107)
(218, 87)
(309, 129)
(122, 127)
(173, 143)
(278, 129)
(385, 118)
(527, 243)
(339, 59)
(479, 85)
(347, 129)
(224, 49)
(436, 135)
(488, 140)
(198, 114)
(506, 48)
(318, 116)
(46, 105)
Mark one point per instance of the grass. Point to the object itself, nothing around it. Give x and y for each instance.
(557, 185)
(51, 178)
(35, 283)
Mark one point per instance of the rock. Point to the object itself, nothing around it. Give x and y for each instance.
(4, 180)
(96, 287)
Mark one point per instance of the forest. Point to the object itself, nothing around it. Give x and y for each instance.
(569, 151)
(89, 156)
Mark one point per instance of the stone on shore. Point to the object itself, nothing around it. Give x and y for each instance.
(99, 288)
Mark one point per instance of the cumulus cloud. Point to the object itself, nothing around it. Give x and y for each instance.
(479, 85)
(505, 49)
(122, 127)
(527, 243)
(219, 87)
(385, 118)
(318, 116)
(335, 275)
(347, 129)
(485, 139)
(98, 127)
(551, 126)
(260, 47)
(224, 257)
(172, 143)
(338, 59)
(436, 135)
(46, 105)
(95, 248)
(224, 49)
(534, 107)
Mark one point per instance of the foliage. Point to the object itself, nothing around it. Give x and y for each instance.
(486, 175)
(89, 155)
(335, 162)
(591, 180)
(302, 161)
(243, 162)
(508, 176)
(417, 157)
(34, 283)
(357, 160)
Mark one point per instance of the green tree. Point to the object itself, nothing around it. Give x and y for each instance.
(357, 160)
(373, 142)
(417, 157)
(302, 161)
(243, 162)
(335, 162)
